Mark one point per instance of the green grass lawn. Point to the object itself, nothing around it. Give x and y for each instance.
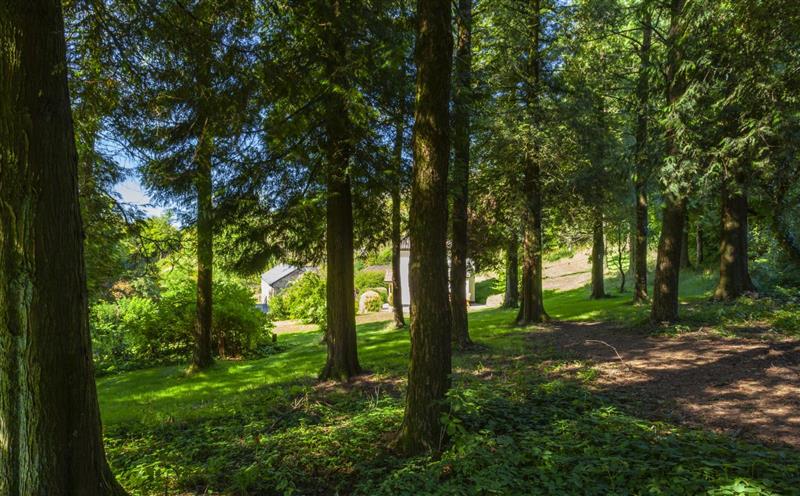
(266, 427)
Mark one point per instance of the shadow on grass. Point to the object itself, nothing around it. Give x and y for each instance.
(512, 430)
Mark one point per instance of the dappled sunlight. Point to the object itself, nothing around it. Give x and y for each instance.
(526, 408)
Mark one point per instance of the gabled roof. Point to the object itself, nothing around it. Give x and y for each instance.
(277, 273)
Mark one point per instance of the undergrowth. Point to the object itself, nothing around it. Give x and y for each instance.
(513, 429)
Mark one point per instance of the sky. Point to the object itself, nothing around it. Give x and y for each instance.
(132, 192)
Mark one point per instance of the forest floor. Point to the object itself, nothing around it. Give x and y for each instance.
(739, 386)
(706, 406)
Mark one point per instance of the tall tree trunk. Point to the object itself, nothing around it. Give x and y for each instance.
(342, 362)
(686, 262)
(642, 159)
(667, 277)
(430, 367)
(50, 434)
(531, 309)
(598, 252)
(665, 286)
(734, 275)
(201, 357)
(397, 287)
(511, 297)
(699, 256)
(631, 247)
(460, 175)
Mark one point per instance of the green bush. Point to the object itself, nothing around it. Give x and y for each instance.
(137, 331)
(372, 302)
(383, 292)
(120, 333)
(366, 279)
(304, 299)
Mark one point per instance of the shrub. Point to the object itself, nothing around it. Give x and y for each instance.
(366, 279)
(131, 333)
(136, 331)
(372, 301)
(304, 299)
(383, 292)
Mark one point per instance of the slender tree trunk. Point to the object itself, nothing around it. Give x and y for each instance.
(785, 237)
(667, 277)
(734, 276)
(397, 287)
(631, 247)
(511, 297)
(342, 362)
(598, 253)
(460, 175)
(699, 256)
(642, 159)
(430, 367)
(686, 262)
(619, 262)
(50, 434)
(531, 308)
(201, 357)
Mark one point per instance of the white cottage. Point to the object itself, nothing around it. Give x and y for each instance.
(277, 279)
(405, 252)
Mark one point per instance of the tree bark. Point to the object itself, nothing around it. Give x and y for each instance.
(642, 159)
(460, 175)
(686, 262)
(430, 367)
(50, 433)
(201, 357)
(598, 253)
(397, 287)
(511, 297)
(734, 275)
(342, 362)
(631, 247)
(531, 308)
(667, 277)
(699, 256)
(665, 286)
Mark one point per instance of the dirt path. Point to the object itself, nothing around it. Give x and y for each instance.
(567, 273)
(743, 387)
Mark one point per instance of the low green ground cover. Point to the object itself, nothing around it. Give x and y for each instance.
(266, 427)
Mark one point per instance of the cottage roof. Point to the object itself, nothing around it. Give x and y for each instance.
(277, 273)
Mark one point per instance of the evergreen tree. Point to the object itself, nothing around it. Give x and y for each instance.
(186, 110)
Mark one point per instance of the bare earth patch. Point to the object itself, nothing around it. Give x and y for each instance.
(742, 387)
(567, 273)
